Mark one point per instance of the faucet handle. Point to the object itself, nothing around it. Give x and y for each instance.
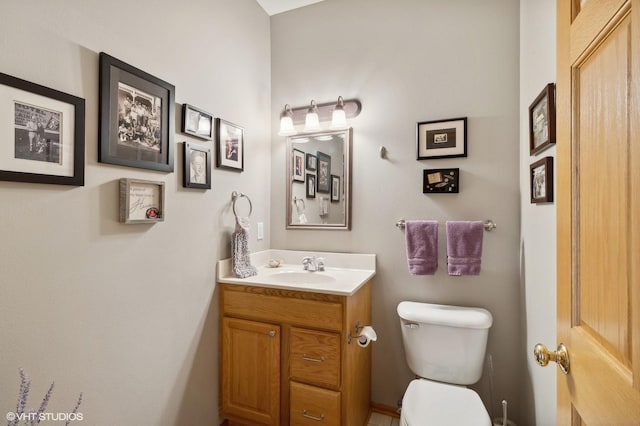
(306, 261)
(320, 263)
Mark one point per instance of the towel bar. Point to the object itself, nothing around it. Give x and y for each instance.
(489, 225)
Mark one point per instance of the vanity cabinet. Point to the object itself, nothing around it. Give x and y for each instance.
(290, 357)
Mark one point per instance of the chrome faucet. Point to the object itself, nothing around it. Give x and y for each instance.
(312, 263)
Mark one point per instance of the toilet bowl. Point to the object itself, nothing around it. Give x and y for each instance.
(445, 347)
(432, 403)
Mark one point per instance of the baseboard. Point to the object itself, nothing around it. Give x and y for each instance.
(385, 409)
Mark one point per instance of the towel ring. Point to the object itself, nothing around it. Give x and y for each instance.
(295, 201)
(234, 197)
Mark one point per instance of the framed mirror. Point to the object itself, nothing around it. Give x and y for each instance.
(319, 180)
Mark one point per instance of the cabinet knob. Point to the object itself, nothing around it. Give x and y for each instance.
(272, 333)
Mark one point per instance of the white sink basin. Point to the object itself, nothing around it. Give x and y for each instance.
(294, 277)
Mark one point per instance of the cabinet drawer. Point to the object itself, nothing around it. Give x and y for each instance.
(314, 357)
(312, 406)
(244, 302)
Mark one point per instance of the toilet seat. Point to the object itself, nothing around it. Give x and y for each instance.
(432, 403)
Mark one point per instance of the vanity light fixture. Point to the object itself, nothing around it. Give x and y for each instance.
(312, 121)
(339, 118)
(286, 122)
(314, 114)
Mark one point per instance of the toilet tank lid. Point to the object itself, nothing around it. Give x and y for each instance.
(452, 316)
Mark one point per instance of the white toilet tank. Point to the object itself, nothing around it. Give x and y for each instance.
(445, 343)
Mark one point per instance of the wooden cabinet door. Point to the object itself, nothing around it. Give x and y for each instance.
(251, 371)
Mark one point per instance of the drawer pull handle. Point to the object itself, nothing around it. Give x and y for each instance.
(309, 416)
(306, 358)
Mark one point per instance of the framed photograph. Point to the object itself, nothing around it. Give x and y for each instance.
(230, 145)
(323, 173)
(42, 131)
(197, 166)
(541, 177)
(442, 138)
(136, 117)
(542, 120)
(141, 201)
(312, 162)
(311, 185)
(335, 188)
(196, 122)
(441, 181)
(297, 165)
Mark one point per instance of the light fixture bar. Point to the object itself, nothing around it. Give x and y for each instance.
(352, 108)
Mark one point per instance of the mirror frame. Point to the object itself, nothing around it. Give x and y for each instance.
(347, 151)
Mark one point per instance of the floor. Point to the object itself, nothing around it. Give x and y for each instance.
(378, 419)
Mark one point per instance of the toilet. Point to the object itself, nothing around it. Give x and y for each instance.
(445, 347)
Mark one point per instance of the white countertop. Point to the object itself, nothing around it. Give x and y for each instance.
(344, 273)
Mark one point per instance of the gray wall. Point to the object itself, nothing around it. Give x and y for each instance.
(411, 61)
(538, 240)
(124, 313)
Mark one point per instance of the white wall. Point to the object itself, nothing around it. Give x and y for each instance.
(411, 61)
(538, 241)
(124, 313)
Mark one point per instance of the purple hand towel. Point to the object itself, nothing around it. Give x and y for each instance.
(464, 247)
(422, 246)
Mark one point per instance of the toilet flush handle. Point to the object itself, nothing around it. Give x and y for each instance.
(411, 324)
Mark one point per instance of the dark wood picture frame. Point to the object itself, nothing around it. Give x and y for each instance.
(48, 129)
(137, 120)
(310, 185)
(229, 145)
(335, 188)
(542, 120)
(197, 158)
(541, 180)
(297, 165)
(197, 122)
(323, 173)
(442, 138)
(441, 181)
(311, 162)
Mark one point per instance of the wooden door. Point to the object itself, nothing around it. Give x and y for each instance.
(598, 157)
(251, 371)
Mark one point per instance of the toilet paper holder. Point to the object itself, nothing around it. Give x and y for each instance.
(357, 335)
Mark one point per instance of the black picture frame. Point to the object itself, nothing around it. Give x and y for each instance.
(137, 121)
(335, 188)
(197, 122)
(297, 165)
(541, 180)
(311, 162)
(542, 120)
(323, 173)
(310, 185)
(48, 129)
(197, 160)
(441, 181)
(441, 138)
(229, 145)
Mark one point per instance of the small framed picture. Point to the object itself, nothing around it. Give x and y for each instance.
(312, 162)
(335, 188)
(297, 165)
(141, 201)
(196, 122)
(323, 173)
(42, 134)
(311, 185)
(542, 120)
(442, 138)
(197, 166)
(541, 177)
(230, 145)
(441, 181)
(136, 117)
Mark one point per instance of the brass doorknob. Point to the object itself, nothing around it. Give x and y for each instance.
(560, 357)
